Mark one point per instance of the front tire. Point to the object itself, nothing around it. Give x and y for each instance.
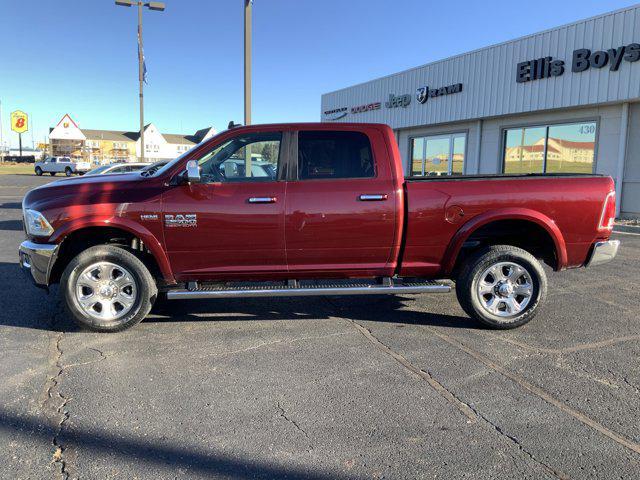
(68, 172)
(502, 286)
(107, 289)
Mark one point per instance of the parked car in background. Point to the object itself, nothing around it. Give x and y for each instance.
(117, 168)
(66, 165)
(153, 168)
(235, 168)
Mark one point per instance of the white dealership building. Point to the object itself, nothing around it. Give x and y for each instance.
(566, 100)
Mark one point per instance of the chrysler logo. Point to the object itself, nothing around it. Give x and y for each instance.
(336, 113)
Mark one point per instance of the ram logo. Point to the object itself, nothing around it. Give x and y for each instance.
(181, 220)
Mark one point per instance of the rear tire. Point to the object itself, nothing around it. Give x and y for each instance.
(38, 171)
(502, 286)
(68, 172)
(107, 289)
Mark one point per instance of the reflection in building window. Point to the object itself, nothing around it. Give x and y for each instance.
(438, 155)
(564, 148)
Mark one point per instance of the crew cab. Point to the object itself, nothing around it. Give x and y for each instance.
(328, 211)
(53, 165)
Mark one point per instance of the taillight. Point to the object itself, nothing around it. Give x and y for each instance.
(608, 216)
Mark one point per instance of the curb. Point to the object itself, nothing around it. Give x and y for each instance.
(627, 229)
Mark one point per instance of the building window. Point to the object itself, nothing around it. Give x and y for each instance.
(438, 155)
(562, 148)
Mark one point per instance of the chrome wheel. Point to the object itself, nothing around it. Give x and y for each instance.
(505, 289)
(106, 291)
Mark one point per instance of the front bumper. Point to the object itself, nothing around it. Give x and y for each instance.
(603, 252)
(38, 259)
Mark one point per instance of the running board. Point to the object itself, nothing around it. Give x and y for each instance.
(296, 290)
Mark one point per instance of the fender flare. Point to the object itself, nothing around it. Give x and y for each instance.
(514, 213)
(149, 239)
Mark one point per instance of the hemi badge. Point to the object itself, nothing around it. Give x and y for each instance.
(149, 217)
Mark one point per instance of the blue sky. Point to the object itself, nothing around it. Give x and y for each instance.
(79, 56)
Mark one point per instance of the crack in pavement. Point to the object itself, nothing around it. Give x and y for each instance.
(556, 473)
(576, 348)
(284, 341)
(55, 402)
(55, 407)
(284, 416)
(540, 393)
(79, 364)
(466, 409)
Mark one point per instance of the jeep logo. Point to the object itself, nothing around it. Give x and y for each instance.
(399, 101)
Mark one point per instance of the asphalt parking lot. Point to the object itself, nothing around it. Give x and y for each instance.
(350, 387)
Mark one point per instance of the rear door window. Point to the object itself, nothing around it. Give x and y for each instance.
(334, 154)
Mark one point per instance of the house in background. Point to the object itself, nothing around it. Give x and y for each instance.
(108, 146)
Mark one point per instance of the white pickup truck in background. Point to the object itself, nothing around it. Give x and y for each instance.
(53, 165)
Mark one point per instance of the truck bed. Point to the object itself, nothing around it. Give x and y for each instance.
(441, 210)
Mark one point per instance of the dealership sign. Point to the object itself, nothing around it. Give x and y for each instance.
(424, 93)
(336, 113)
(366, 108)
(398, 101)
(393, 101)
(582, 59)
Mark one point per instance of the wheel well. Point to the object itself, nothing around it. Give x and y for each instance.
(520, 233)
(80, 240)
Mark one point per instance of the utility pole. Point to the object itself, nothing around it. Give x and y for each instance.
(247, 61)
(1, 144)
(158, 6)
(247, 81)
(141, 80)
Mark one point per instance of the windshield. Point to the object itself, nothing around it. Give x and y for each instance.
(98, 170)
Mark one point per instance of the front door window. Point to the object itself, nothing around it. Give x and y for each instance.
(252, 157)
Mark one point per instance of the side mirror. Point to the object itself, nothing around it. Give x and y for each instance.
(193, 171)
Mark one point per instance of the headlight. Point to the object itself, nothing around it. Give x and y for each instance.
(36, 224)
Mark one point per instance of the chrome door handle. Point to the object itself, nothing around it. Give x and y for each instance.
(373, 197)
(263, 200)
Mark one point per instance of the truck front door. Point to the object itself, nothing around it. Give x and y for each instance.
(231, 225)
(341, 206)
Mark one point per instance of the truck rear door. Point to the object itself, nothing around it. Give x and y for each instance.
(340, 206)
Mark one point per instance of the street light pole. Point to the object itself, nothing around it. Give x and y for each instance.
(141, 80)
(158, 6)
(247, 61)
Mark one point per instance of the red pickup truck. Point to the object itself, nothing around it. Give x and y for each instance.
(309, 209)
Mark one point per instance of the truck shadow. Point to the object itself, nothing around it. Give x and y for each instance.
(25, 306)
(384, 308)
(13, 225)
(11, 205)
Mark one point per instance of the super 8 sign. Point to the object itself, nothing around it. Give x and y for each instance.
(19, 121)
